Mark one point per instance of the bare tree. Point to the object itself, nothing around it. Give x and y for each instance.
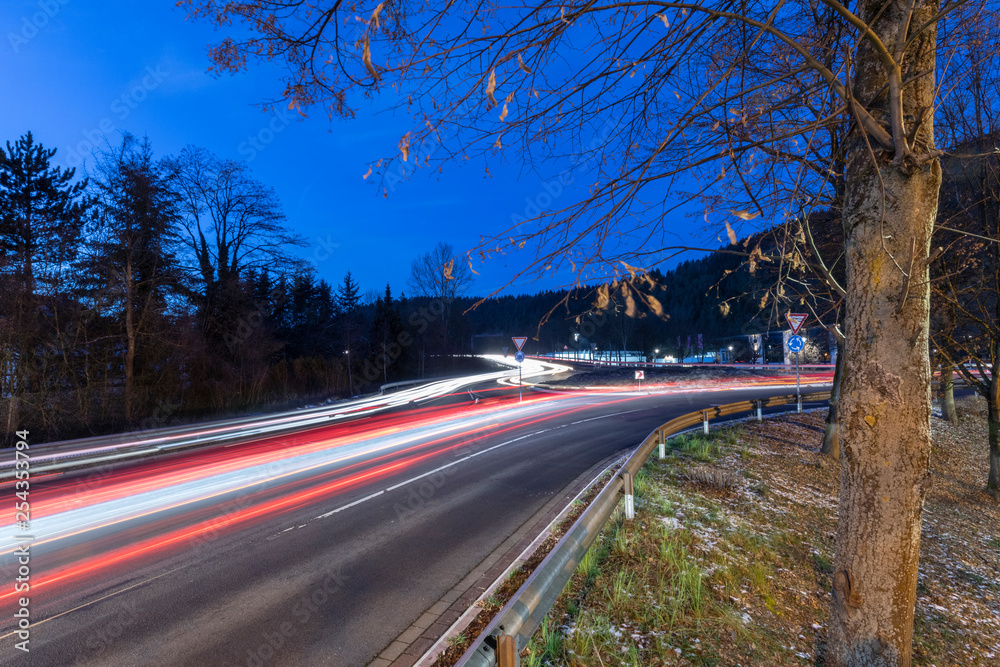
(436, 274)
(232, 223)
(967, 275)
(679, 83)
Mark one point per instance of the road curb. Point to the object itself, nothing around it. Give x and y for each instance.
(426, 638)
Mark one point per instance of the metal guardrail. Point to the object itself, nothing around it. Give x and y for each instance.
(502, 640)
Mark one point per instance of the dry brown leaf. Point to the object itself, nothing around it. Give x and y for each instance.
(602, 298)
(731, 234)
(491, 86)
(366, 58)
(448, 268)
(654, 304)
(744, 215)
(404, 146)
(663, 18)
(632, 270)
(507, 100)
(367, 173)
(521, 64)
(630, 309)
(375, 14)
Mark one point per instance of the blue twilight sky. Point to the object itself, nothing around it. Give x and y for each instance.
(74, 71)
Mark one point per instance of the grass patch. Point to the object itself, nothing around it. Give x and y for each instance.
(673, 586)
(823, 564)
(743, 578)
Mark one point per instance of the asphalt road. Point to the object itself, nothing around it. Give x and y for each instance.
(312, 549)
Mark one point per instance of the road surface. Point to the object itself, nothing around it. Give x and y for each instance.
(312, 548)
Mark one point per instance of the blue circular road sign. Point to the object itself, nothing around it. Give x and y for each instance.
(519, 357)
(796, 344)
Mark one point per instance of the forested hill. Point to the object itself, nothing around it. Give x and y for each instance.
(690, 294)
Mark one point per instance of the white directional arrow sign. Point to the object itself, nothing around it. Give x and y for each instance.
(519, 341)
(796, 320)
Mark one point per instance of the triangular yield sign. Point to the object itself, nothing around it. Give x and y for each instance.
(519, 341)
(796, 320)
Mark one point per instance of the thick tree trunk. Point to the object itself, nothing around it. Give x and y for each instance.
(948, 392)
(885, 403)
(831, 436)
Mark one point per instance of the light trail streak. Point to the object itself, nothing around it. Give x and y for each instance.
(386, 455)
(63, 455)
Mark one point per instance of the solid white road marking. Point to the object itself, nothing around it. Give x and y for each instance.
(456, 462)
(604, 416)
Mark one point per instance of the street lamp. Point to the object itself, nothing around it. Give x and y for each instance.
(656, 354)
(350, 376)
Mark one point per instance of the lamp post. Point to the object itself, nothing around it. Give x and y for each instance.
(350, 376)
(656, 354)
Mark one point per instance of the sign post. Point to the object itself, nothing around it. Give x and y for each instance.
(795, 344)
(639, 375)
(519, 341)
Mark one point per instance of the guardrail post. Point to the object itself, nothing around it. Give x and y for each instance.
(507, 654)
(629, 496)
(760, 411)
(800, 404)
(704, 416)
(663, 446)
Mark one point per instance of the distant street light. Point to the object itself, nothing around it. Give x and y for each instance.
(350, 376)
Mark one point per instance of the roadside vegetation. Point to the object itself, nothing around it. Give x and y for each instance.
(729, 558)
